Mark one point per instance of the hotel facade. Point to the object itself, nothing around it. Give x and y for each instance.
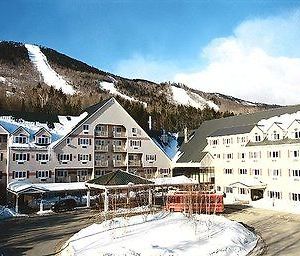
(102, 139)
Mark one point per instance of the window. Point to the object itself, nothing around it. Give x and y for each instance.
(21, 138)
(257, 137)
(119, 157)
(242, 191)
(256, 172)
(227, 141)
(20, 174)
(150, 158)
(276, 172)
(135, 143)
(62, 173)
(214, 142)
(228, 156)
(275, 194)
(21, 157)
(85, 157)
(134, 131)
(64, 157)
(68, 141)
(228, 190)
(1, 157)
(296, 197)
(82, 173)
(241, 155)
(297, 135)
(42, 157)
(276, 135)
(296, 173)
(86, 128)
(164, 171)
(254, 155)
(218, 188)
(228, 171)
(243, 171)
(43, 174)
(1, 175)
(100, 172)
(296, 153)
(273, 154)
(43, 140)
(84, 141)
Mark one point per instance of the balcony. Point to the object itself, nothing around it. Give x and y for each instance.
(118, 163)
(135, 163)
(101, 163)
(101, 148)
(101, 134)
(119, 148)
(119, 134)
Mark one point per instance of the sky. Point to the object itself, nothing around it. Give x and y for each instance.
(247, 49)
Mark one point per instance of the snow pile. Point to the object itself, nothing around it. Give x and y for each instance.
(112, 89)
(181, 96)
(284, 121)
(154, 235)
(2, 79)
(50, 76)
(6, 213)
(67, 123)
(174, 180)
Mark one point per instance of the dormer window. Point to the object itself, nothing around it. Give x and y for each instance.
(297, 135)
(43, 140)
(21, 138)
(276, 135)
(86, 128)
(257, 137)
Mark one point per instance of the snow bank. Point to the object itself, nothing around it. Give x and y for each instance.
(112, 89)
(50, 76)
(6, 213)
(181, 96)
(163, 234)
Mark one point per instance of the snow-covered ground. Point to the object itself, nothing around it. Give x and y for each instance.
(49, 75)
(113, 90)
(2, 79)
(163, 234)
(181, 96)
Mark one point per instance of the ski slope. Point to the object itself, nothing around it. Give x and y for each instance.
(50, 77)
(181, 96)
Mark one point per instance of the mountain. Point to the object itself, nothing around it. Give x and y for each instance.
(39, 79)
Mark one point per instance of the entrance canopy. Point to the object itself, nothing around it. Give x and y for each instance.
(249, 183)
(25, 187)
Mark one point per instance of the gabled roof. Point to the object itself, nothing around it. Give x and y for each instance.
(296, 120)
(119, 178)
(277, 124)
(192, 150)
(21, 128)
(42, 129)
(4, 129)
(232, 130)
(91, 111)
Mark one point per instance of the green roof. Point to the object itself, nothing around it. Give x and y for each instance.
(118, 178)
(192, 151)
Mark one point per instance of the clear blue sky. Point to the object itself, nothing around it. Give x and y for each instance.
(112, 34)
(103, 32)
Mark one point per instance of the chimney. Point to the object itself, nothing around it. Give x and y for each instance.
(150, 123)
(185, 135)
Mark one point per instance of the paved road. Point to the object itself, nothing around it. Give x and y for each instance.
(44, 235)
(41, 235)
(280, 231)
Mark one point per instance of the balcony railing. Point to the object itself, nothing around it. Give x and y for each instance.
(118, 163)
(119, 134)
(101, 148)
(101, 133)
(101, 163)
(119, 148)
(134, 162)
